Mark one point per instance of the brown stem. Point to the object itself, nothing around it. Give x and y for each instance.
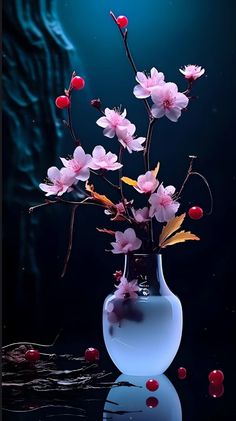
(69, 123)
(190, 172)
(48, 202)
(146, 153)
(72, 220)
(130, 58)
(187, 176)
(106, 179)
(120, 176)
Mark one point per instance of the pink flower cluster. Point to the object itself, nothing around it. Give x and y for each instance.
(115, 123)
(78, 169)
(165, 96)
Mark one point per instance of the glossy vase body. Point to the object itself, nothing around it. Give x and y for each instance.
(143, 334)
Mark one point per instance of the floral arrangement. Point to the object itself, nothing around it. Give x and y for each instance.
(154, 226)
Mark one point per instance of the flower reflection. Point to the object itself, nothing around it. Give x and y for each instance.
(137, 403)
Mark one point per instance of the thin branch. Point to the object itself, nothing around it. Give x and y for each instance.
(72, 220)
(33, 343)
(48, 202)
(146, 153)
(120, 176)
(106, 179)
(130, 58)
(189, 173)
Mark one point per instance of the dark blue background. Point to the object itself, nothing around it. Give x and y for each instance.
(167, 35)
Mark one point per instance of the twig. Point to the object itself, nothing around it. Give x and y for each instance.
(130, 58)
(33, 343)
(146, 153)
(106, 179)
(72, 220)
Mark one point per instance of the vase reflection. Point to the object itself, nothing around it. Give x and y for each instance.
(137, 403)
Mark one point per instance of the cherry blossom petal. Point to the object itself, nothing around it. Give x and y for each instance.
(181, 100)
(141, 92)
(173, 114)
(102, 122)
(109, 132)
(158, 112)
(54, 173)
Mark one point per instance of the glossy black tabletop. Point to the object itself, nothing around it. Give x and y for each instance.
(189, 399)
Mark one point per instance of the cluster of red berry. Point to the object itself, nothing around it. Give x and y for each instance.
(63, 101)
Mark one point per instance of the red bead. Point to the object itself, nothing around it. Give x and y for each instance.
(216, 377)
(195, 212)
(32, 355)
(62, 101)
(182, 373)
(152, 385)
(216, 391)
(152, 402)
(122, 21)
(91, 355)
(77, 82)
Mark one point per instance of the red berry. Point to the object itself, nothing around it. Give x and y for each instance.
(152, 402)
(216, 377)
(62, 101)
(152, 385)
(195, 212)
(216, 391)
(91, 355)
(32, 355)
(182, 373)
(77, 82)
(122, 21)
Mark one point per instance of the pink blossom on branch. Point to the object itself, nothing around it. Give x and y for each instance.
(192, 72)
(127, 140)
(168, 101)
(127, 289)
(146, 183)
(59, 181)
(103, 160)
(79, 164)
(126, 242)
(163, 206)
(112, 121)
(148, 83)
(141, 215)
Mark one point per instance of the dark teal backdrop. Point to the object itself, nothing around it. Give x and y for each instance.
(41, 48)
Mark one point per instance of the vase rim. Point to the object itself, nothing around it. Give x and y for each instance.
(145, 254)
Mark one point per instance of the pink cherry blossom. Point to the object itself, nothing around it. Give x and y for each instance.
(127, 140)
(103, 160)
(59, 181)
(148, 83)
(163, 206)
(168, 101)
(127, 289)
(141, 215)
(192, 71)
(79, 164)
(146, 183)
(126, 241)
(112, 121)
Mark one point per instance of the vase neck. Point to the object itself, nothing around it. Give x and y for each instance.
(147, 270)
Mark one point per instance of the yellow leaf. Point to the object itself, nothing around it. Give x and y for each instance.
(103, 199)
(106, 231)
(100, 197)
(129, 181)
(180, 237)
(156, 170)
(173, 225)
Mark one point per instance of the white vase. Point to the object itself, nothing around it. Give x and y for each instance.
(142, 335)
